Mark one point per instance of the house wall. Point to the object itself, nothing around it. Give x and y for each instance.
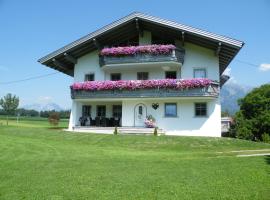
(186, 123)
(195, 57)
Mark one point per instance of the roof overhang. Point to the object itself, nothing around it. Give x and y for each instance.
(65, 58)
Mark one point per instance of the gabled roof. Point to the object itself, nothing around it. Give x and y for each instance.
(63, 58)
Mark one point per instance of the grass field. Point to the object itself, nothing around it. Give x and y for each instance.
(37, 162)
(33, 122)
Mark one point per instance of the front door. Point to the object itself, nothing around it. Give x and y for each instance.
(140, 114)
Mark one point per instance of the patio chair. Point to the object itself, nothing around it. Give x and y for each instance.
(97, 121)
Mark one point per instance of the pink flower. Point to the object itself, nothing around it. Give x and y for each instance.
(178, 84)
(131, 50)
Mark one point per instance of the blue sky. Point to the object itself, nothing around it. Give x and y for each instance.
(32, 29)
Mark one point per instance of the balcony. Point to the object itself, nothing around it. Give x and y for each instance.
(156, 89)
(172, 56)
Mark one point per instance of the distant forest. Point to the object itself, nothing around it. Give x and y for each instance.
(33, 113)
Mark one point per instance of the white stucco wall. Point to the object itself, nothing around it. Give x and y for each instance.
(186, 123)
(86, 64)
(196, 57)
(199, 57)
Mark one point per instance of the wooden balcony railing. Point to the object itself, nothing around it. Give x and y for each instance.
(210, 91)
(176, 55)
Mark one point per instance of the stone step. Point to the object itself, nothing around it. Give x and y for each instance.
(121, 130)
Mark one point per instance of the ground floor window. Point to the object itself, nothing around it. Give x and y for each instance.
(117, 111)
(101, 111)
(170, 109)
(200, 109)
(86, 110)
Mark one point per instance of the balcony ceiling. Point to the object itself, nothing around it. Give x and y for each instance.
(130, 26)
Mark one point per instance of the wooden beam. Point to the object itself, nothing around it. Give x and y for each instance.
(218, 49)
(96, 43)
(139, 29)
(59, 64)
(183, 38)
(70, 58)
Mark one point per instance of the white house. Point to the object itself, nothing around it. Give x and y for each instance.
(142, 65)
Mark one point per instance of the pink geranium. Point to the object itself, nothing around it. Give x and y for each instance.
(131, 50)
(178, 84)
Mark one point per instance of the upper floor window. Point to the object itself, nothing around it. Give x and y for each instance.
(200, 109)
(142, 76)
(115, 77)
(170, 110)
(170, 75)
(89, 77)
(199, 73)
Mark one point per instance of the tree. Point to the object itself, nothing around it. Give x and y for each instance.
(253, 119)
(9, 103)
(54, 118)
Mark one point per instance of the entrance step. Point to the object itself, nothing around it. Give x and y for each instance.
(121, 130)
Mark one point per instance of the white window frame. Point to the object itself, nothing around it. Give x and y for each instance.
(89, 74)
(206, 114)
(201, 68)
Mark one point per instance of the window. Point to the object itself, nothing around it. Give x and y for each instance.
(170, 74)
(142, 76)
(140, 110)
(199, 73)
(200, 109)
(86, 111)
(115, 77)
(117, 111)
(101, 111)
(89, 77)
(170, 110)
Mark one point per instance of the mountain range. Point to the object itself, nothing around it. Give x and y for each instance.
(229, 95)
(43, 107)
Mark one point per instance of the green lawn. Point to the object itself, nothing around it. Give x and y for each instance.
(41, 163)
(33, 122)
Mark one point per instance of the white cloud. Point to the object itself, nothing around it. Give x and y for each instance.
(45, 99)
(264, 67)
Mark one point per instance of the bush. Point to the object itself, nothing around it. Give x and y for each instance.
(266, 138)
(54, 119)
(155, 131)
(253, 118)
(115, 132)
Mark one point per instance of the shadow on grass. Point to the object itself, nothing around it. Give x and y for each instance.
(57, 128)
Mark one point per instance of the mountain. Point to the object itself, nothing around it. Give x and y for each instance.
(230, 93)
(43, 107)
